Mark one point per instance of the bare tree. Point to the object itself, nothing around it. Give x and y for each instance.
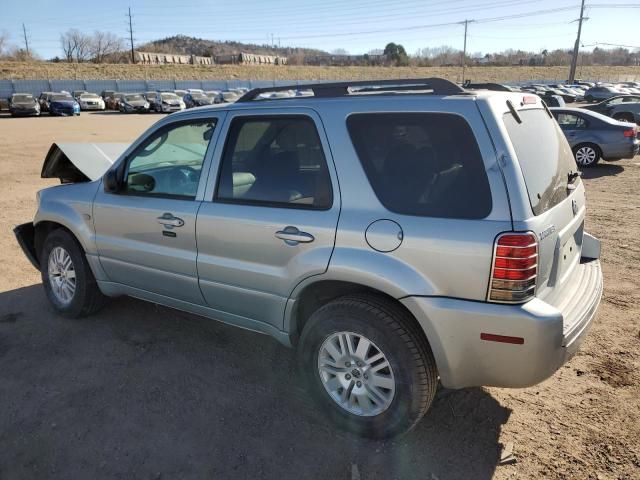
(4, 41)
(75, 45)
(105, 44)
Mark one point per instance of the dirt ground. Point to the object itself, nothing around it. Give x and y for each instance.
(74, 71)
(144, 392)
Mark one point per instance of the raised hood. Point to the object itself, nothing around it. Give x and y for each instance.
(80, 162)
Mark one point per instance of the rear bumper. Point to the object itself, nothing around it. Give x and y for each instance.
(25, 235)
(552, 334)
(619, 151)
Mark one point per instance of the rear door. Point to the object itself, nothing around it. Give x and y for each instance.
(270, 214)
(573, 126)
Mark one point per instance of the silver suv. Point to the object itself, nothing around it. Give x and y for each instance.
(396, 232)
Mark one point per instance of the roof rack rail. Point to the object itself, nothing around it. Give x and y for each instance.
(439, 86)
(487, 86)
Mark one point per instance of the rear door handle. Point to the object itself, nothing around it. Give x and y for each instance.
(293, 236)
(169, 221)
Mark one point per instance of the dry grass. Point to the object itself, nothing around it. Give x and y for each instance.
(45, 70)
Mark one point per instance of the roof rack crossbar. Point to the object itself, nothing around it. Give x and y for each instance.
(439, 86)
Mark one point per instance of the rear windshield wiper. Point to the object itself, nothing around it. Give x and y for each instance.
(571, 177)
(514, 112)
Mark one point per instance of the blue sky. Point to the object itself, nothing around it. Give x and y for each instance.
(354, 25)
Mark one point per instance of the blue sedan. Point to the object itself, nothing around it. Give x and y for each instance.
(63, 104)
(593, 136)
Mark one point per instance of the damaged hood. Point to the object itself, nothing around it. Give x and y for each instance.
(80, 162)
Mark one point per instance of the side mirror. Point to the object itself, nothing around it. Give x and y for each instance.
(111, 181)
(141, 182)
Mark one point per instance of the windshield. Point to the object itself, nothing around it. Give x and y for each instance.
(544, 156)
(22, 98)
(198, 95)
(169, 96)
(61, 96)
(132, 98)
(89, 96)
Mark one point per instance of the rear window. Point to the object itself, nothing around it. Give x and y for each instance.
(424, 164)
(544, 156)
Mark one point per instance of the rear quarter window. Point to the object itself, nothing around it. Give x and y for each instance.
(423, 164)
(544, 157)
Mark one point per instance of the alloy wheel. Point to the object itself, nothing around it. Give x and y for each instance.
(586, 156)
(356, 374)
(62, 275)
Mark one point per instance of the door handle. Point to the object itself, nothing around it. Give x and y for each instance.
(293, 236)
(169, 221)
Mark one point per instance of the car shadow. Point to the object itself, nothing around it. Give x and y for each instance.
(602, 170)
(139, 390)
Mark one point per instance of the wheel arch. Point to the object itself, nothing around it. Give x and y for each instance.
(44, 227)
(322, 291)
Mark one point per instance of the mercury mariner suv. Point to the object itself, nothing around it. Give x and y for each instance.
(397, 233)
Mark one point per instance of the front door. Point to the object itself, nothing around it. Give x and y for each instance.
(272, 214)
(145, 233)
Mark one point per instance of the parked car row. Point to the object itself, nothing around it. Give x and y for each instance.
(160, 101)
(167, 101)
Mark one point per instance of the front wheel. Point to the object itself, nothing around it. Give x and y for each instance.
(67, 278)
(586, 155)
(368, 365)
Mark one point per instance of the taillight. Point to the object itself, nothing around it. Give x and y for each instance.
(629, 133)
(514, 269)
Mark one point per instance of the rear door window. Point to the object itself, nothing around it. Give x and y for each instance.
(275, 161)
(423, 164)
(569, 121)
(544, 156)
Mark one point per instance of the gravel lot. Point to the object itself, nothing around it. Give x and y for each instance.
(144, 392)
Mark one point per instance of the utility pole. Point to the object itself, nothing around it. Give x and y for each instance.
(464, 51)
(133, 55)
(574, 60)
(26, 40)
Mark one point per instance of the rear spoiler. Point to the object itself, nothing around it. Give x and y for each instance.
(80, 162)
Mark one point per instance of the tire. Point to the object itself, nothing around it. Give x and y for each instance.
(86, 297)
(587, 155)
(624, 117)
(589, 99)
(412, 372)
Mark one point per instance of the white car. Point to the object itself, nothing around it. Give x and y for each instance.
(168, 102)
(91, 101)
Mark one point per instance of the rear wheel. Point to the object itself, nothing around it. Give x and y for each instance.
(368, 365)
(67, 278)
(587, 154)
